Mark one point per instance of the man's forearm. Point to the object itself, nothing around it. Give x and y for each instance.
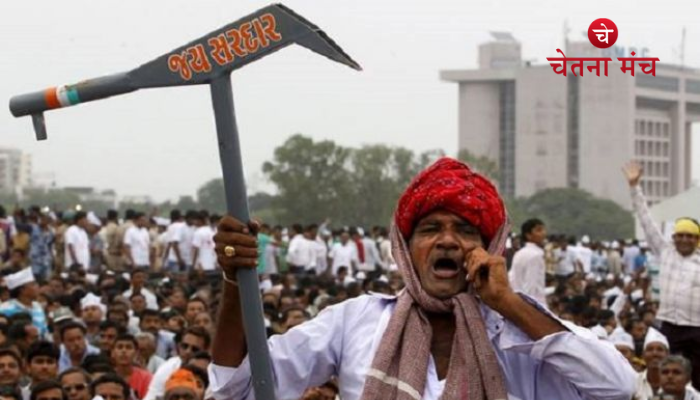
(535, 323)
(195, 254)
(229, 347)
(71, 252)
(176, 249)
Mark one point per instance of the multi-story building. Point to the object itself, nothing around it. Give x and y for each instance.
(15, 170)
(545, 130)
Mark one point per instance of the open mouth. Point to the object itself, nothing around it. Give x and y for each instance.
(446, 268)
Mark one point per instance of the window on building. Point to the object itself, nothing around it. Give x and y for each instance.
(692, 86)
(666, 129)
(664, 83)
(665, 149)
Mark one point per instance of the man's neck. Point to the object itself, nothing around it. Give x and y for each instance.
(25, 301)
(654, 378)
(125, 371)
(77, 360)
(443, 327)
(92, 327)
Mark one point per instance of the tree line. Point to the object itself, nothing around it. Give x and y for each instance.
(360, 186)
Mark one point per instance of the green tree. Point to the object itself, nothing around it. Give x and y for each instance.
(481, 164)
(186, 203)
(577, 212)
(311, 179)
(212, 197)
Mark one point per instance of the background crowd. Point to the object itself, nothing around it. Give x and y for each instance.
(124, 306)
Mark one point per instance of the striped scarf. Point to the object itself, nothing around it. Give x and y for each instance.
(399, 369)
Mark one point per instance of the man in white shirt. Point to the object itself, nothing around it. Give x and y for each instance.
(675, 378)
(77, 243)
(203, 255)
(320, 250)
(137, 243)
(139, 278)
(585, 254)
(629, 254)
(192, 341)
(568, 260)
(344, 254)
(527, 273)
(419, 345)
(177, 252)
(373, 260)
(301, 255)
(384, 246)
(679, 275)
(655, 351)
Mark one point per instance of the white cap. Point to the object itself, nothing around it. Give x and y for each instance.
(622, 338)
(383, 279)
(637, 295)
(615, 245)
(393, 267)
(90, 300)
(549, 290)
(361, 276)
(361, 231)
(20, 278)
(160, 221)
(92, 278)
(600, 332)
(585, 239)
(655, 336)
(93, 220)
(265, 285)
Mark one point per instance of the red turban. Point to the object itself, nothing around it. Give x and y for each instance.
(451, 186)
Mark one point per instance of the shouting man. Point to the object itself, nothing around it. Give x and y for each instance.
(458, 331)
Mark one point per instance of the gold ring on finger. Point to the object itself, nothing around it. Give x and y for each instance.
(230, 251)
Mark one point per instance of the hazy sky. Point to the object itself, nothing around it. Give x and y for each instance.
(162, 142)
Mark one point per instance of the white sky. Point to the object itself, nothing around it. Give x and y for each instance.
(162, 142)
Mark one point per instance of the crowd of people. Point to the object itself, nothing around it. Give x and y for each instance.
(126, 306)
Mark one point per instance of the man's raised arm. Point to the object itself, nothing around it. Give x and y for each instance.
(633, 172)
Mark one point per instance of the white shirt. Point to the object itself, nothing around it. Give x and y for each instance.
(527, 273)
(344, 256)
(567, 261)
(343, 339)
(151, 299)
(372, 257)
(679, 277)
(157, 387)
(628, 256)
(644, 390)
(77, 237)
(179, 232)
(585, 256)
(139, 242)
(203, 241)
(301, 252)
(321, 251)
(385, 251)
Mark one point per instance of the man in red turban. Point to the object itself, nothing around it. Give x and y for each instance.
(458, 331)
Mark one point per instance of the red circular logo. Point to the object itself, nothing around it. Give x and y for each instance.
(602, 33)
